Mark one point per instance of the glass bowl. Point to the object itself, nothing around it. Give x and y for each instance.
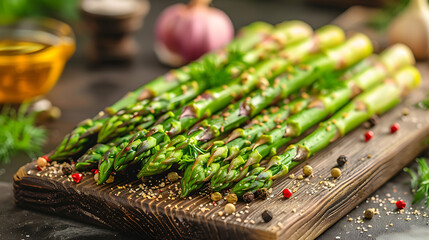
(33, 53)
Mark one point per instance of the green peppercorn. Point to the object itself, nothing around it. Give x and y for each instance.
(216, 196)
(172, 176)
(307, 170)
(232, 198)
(369, 213)
(96, 176)
(336, 172)
(110, 179)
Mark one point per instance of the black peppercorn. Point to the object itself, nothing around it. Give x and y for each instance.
(342, 159)
(248, 197)
(371, 122)
(267, 216)
(262, 193)
(67, 169)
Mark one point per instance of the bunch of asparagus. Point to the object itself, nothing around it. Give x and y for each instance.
(219, 117)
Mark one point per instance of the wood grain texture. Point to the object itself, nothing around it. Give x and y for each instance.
(316, 208)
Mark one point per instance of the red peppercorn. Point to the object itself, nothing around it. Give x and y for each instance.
(127, 149)
(400, 204)
(46, 158)
(38, 168)
(394, 128)
(77, 177)
(287, 193)
(96, 171)
(369, 135)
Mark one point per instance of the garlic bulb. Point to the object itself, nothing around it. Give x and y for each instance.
(185, 32)
(411, 27)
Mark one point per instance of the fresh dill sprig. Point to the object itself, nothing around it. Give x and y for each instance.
(191, 153)
(216, 72)
(423, 104)
(420, 181)
(328, 82)
(18, 133)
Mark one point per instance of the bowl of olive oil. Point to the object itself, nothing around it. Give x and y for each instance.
(33, 53)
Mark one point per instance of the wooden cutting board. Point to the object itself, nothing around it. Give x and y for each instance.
(317, 203)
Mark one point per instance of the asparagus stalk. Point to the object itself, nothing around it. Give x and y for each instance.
(376, 101)
(212, 72)
(205, 104)
(172, 124)
(84, 135)
(303, 75)
(320, 107)
(197, 172)
(200, 170)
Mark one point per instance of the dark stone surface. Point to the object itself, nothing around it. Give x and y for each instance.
(82, 92)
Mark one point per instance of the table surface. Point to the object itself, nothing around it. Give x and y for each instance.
(82, 91)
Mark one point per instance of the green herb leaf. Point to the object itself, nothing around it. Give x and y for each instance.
(328, 82)
(19, 133)
(424, 104)
(420, 181)
(190, 154)
(215, 72)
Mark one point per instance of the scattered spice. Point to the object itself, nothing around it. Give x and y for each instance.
(335, 172)
(400, 204)
(229, 208)
(96, 176)
(110, 179)
(67, 168)
(172, 176)
(216, 196)
(41, 162)
(287, 193)
(368, 135)
(248, 197)
(369, 213)
(77, 177)
(371, 122)
(262, 193)
(307, 170)
(267, 216)
(394, 128)
(341, 160)
(232, 198)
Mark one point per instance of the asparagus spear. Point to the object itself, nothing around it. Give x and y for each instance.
(376, 101)
(85, 133)
(355, 49)
(172, 124)
(200, 169)
(204, 105)
(318, 109)
(197, 172)
(212, 72)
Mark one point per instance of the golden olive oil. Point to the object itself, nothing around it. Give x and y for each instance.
(31, 62)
